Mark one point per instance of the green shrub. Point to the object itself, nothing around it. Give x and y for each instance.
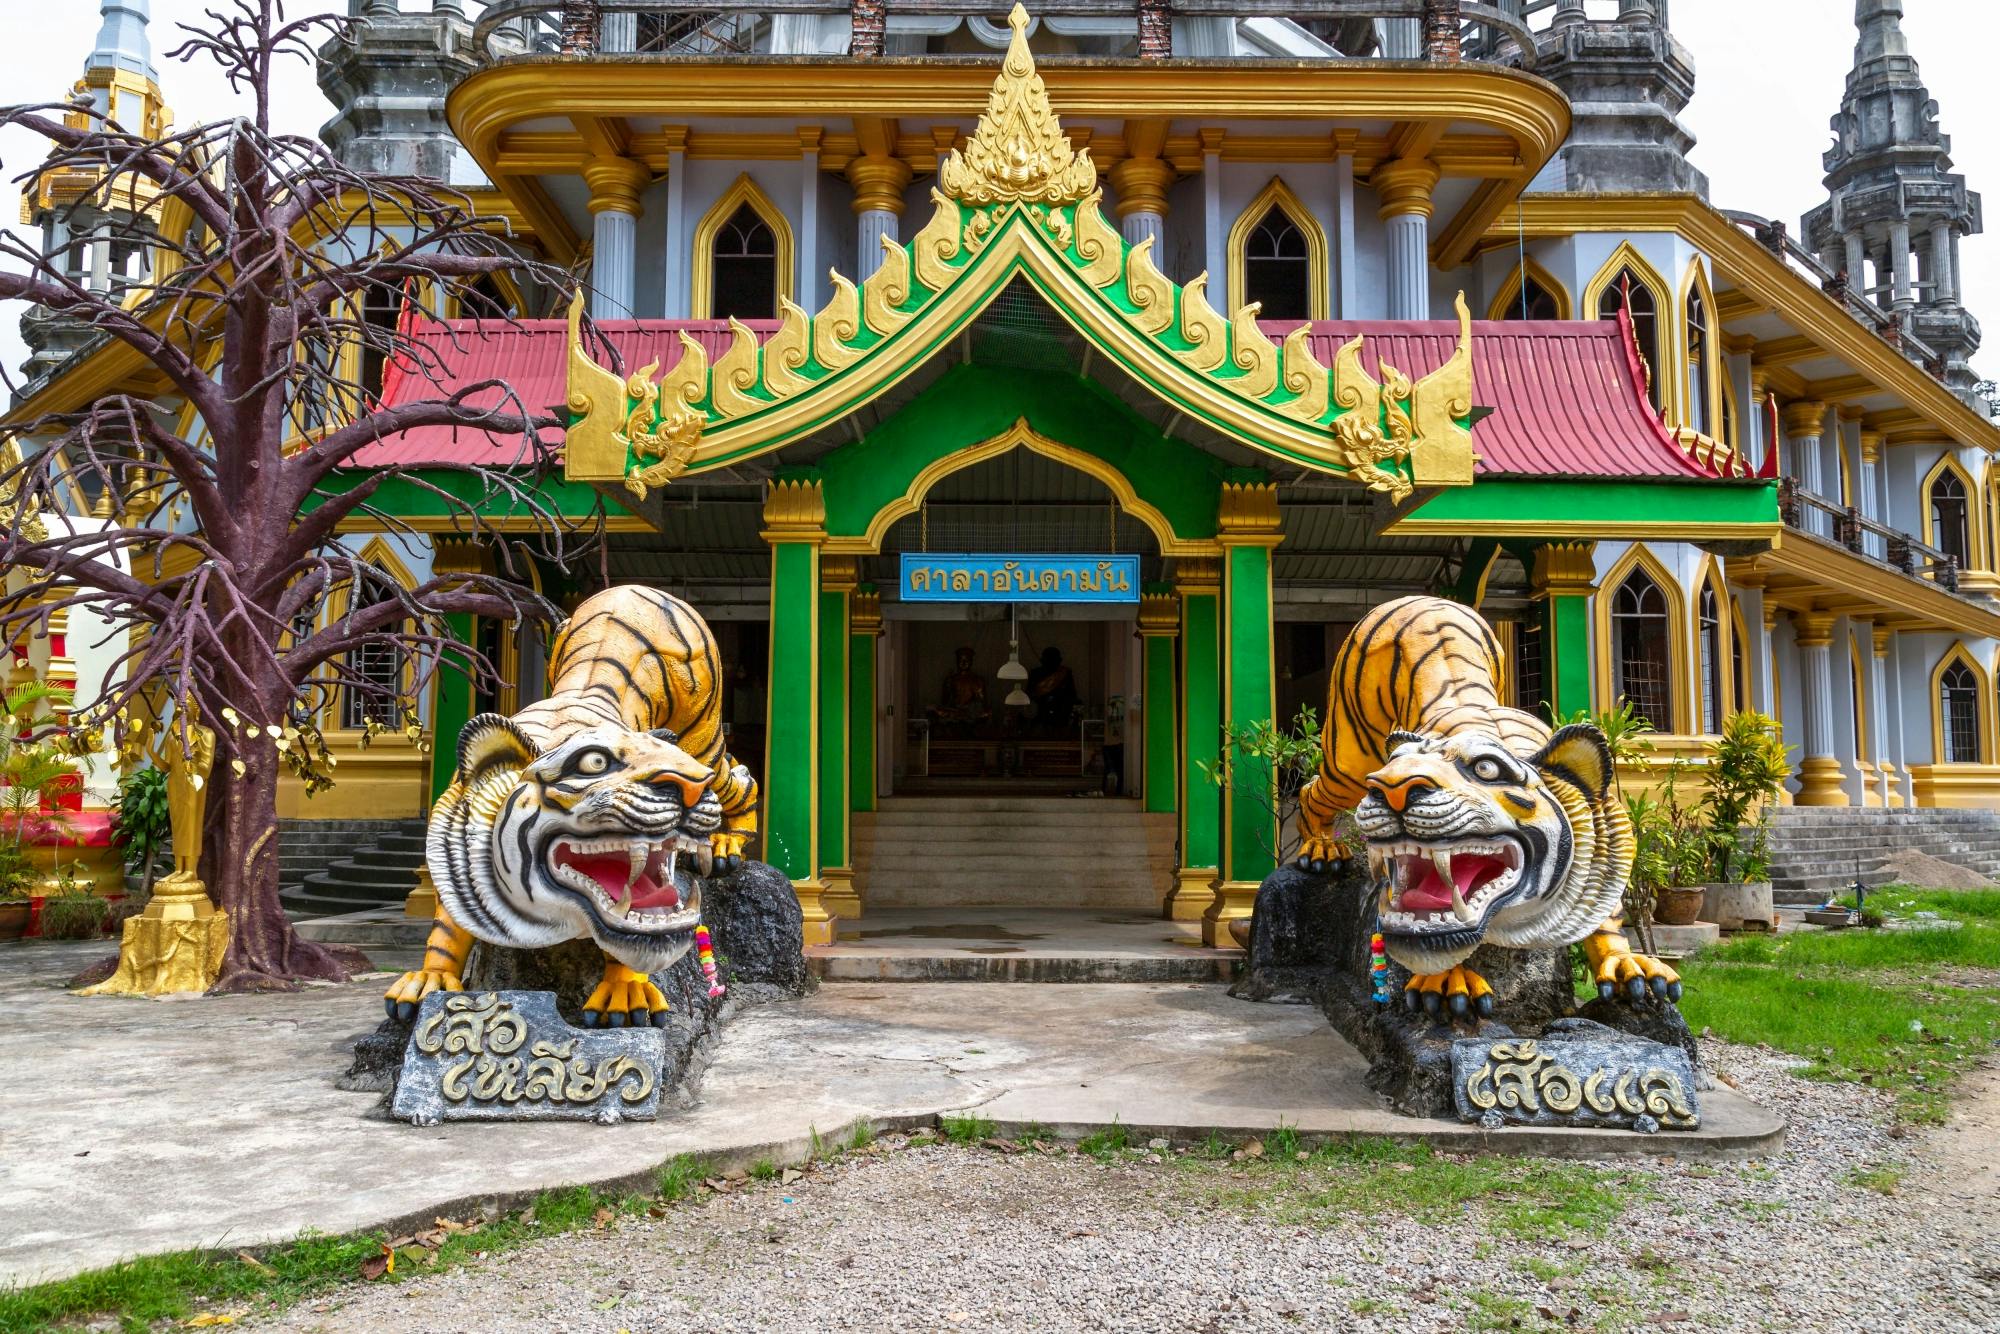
(79, 916)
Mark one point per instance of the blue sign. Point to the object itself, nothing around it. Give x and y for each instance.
(931, 577)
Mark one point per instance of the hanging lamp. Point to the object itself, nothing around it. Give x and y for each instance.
(1012, 670)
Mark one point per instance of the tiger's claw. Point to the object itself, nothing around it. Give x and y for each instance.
(1318, 853)
(407, 992)
(1460, 991)
(625, 998)
(1617, 969)
(727, 848)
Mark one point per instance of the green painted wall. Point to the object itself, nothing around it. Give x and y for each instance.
(861, 721)
(972, 403)
(789, 753)
(832, 758)
(1201, 708)
(451, 710)
(1251, 827)
(1162, 758)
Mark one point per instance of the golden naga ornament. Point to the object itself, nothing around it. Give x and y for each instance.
(1020, 197)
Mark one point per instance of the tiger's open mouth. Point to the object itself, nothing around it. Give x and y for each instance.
(636, 883)
(1443, 887)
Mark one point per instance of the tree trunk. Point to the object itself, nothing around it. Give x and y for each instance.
(240, 867)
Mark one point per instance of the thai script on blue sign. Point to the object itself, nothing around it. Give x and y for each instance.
(931, 577)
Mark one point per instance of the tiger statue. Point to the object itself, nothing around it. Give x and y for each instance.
(1480, 822)
(596, 812)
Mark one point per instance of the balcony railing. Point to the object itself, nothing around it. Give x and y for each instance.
(1844, 525)
(1426, 30)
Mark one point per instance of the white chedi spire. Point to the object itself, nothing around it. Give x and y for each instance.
(122, 41)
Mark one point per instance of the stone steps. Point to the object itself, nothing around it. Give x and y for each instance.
(1819, 851)
(1068, 852)
(367, 865)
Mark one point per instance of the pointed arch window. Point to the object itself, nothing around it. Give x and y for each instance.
(1530, 688)
(1958, 713)
(1277, 256)
(1700, 357)
(1532, 302)
(1951, 530)
(1642, 649)
(381, 314)
(744, 268)
(1714, 704)
(375, 670)
(1631, 293)
(1277, 268)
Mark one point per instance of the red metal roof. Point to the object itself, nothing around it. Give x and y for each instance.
(1567, 396)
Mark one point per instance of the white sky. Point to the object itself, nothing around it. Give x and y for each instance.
(1769, 74)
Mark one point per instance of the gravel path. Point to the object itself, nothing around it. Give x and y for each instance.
(953, 1238)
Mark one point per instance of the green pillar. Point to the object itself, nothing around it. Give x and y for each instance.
(1198, 584)
(795, 527)
(1249, 529)
(836, 874)
(1159, 627)
(451, 704)
(1563, 579)
(864, 627)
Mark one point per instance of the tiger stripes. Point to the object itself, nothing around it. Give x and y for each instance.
(643, 659)
(1418, 664)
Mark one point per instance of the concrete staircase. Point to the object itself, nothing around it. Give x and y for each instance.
(343, 866)
(1816, 850)
(1043, 852)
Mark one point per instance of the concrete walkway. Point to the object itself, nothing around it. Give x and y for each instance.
(137, 1126)
(1006, 944)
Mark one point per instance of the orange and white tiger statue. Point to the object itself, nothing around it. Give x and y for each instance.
(1480, 823)
(595, 812)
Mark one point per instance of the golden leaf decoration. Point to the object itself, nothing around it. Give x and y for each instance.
(1018, 153)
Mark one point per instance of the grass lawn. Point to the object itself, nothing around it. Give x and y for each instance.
(1902, 1008)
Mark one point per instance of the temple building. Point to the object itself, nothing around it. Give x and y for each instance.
(1035, 403)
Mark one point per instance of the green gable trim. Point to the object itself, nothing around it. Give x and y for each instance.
(970, 404)
(413, 495)
(1586, 508)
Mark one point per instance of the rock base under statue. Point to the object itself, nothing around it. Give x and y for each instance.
(753, 917)
(1309, 944)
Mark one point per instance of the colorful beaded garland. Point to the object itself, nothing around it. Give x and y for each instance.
(706, 949)
(1378, 968)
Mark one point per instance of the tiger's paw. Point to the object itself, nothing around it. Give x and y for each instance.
(1634, 978)
(1318, 853)
(407, 992)
(727, 850)
(1460, 991)
(625, 999)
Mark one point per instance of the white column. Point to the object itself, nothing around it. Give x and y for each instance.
(615, 183)
(805, 282)
(1404, 187)
(1139, 224)
(1945, 290)
(878, 180)
(1344, 299)
(620, 34)
(680, 245)
(1899, 722)
(1139, 183)
(1756, 651)
(1403, 39)
(100, 259)
(1899, 264)
(1821, 781)
(1857, 262)
(1805, 421)
(871, 226)
(1881, 730)
(613, 264)
(1217, 236)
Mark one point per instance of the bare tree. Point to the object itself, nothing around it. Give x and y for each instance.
(285, 290)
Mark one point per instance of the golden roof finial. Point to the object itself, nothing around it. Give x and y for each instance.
(1019, 152)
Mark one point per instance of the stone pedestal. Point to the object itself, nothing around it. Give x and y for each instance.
(1745, 907)
(754, 919)
(1309, 943)
(176, 944)
(1677, 942)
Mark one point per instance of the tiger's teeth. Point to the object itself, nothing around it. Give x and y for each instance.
(1459, 908)
(704, 859)
(621, 907)
(636, 855)
(1441, 858)
(673, 860)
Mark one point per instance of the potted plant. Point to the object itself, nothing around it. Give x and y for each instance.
(33, 768)
(140, 826)
(1746, 767)
(1670, 857)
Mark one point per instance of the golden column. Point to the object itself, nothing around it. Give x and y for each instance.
(177, 942)
(879, 178)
